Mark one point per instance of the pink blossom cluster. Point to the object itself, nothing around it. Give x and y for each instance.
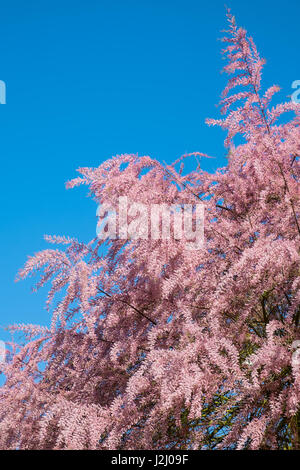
(152, 346)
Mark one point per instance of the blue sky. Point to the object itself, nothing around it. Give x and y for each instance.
(90, 79)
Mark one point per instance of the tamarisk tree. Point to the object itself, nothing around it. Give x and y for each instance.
(152, 345)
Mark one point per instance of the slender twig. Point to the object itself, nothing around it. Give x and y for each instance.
(129, 305)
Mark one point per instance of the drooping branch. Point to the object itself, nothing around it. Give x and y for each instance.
(129, 305)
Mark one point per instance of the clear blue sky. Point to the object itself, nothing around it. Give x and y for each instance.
(89, 79)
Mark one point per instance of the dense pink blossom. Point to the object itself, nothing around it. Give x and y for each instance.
(153, 346)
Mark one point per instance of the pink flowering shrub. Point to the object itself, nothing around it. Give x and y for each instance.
(153, 346)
